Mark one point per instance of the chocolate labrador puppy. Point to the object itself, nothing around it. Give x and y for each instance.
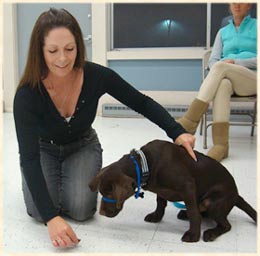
(205, 186)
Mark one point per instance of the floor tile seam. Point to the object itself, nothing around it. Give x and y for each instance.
(152, 239)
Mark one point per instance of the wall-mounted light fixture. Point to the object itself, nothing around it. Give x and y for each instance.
(168, 23)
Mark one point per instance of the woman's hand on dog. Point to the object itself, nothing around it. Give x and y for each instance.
(187, 141)
(61, 233)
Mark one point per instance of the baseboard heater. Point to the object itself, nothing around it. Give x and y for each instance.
(238, 113)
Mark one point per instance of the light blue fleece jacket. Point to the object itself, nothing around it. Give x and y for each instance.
(238, 43)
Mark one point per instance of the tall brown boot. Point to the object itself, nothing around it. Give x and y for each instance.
(220, 135)
(193, 115)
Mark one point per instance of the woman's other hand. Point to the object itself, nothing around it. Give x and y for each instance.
(61, 233)
(187, 141)
(229, 61)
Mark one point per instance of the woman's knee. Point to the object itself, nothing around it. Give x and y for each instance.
(82, 207)
(83, 215)
(219, 66)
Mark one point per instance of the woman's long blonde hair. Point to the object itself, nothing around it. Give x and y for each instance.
(36, 68)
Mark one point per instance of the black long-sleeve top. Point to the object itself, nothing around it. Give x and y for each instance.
(37, 117)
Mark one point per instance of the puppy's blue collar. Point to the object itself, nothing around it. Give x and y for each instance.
(137, 169)
(108, 200)
(142, 176)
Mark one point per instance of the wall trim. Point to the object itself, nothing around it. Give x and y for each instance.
(99, 33)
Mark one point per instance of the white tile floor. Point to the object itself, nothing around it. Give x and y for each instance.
(128, 233)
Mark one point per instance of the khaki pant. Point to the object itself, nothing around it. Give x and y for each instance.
(223, 80)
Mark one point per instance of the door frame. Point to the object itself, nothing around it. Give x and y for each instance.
(10, 55)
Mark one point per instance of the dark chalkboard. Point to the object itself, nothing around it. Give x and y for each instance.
(166, 25)
(159, 25)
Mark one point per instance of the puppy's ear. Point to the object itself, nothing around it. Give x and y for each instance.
(123, 190)
(94, 183)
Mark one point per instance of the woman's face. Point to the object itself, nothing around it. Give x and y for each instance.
(240, 10)
(60, 51)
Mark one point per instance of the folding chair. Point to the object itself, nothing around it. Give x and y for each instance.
(205, 123)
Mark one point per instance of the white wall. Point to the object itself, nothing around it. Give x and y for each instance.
(10, 61)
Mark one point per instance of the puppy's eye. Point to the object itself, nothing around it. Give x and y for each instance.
(108, 189)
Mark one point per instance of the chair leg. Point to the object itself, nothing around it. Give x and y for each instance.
(201, 125)
(205, 130)
(254, 119)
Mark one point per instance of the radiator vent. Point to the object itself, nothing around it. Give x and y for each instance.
(120, 110)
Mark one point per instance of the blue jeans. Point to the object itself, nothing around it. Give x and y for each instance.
(68, 169)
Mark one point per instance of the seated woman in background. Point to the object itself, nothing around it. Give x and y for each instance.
(232, 66)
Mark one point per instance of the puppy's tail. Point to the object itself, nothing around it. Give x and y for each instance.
(244, 206)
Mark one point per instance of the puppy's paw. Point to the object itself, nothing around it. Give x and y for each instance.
(190, 237)
(182, 215)
(153, 217)
(209, 235)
